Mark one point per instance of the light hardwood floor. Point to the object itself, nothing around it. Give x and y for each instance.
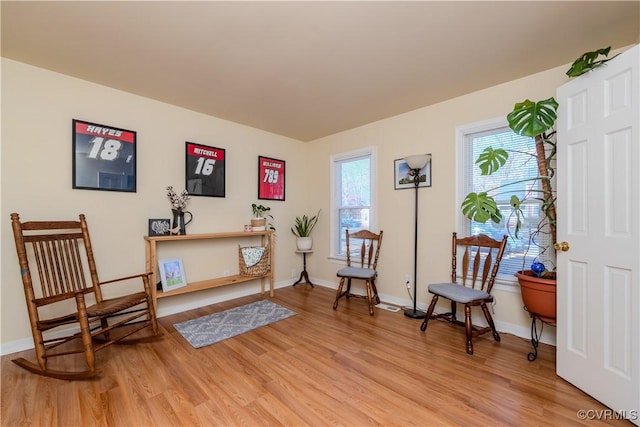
(320, 367)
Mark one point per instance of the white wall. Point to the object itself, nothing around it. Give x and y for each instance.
(426, 130)
(37, 109)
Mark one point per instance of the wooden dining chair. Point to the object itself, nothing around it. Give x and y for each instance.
(68, 312)
(471, 285)
(365, 262)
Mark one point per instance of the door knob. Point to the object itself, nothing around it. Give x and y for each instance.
(562, 246)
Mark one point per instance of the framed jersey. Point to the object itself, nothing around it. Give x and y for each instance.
(271, 178)
(205, 170)
(104, 157)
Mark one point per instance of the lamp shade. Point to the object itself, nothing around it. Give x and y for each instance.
(417, 161)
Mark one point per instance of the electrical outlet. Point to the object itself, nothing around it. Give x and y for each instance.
(226, 273)
(407, 278)
(294, 273)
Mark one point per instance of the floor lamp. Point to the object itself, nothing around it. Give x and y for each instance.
(416, 163)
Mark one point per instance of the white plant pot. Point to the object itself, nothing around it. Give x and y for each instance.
(304, 243)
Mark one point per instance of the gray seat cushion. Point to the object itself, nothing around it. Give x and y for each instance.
(458, 293)
(356, 272)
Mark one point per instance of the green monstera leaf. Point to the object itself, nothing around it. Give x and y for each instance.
(530, 118)
(481, 207)
(490, 160)
(587, 62)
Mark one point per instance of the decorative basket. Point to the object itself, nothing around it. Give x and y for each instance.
(253, 260)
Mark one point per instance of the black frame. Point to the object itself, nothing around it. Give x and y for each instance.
(159, 226)
(205, 170)
(104, 157)
(268, 167)
(404, 183)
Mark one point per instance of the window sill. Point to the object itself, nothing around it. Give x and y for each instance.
(338, 260)
(507, 285)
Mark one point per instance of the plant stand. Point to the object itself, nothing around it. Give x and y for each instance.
(539, 298)
(304, 273)
(535, 335)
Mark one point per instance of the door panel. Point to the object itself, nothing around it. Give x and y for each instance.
(577, 311)
(598, 326)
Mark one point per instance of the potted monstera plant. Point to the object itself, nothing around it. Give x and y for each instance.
(302, 230)
(535, 120)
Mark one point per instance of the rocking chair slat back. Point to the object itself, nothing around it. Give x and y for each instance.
(60, 267)
(58, 258)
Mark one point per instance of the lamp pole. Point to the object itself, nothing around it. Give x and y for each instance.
(415, 313)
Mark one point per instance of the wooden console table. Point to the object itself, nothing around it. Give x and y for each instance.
(151, 242)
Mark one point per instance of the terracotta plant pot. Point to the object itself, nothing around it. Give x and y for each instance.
(538, 294)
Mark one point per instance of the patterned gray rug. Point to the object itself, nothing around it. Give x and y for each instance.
(213, 328)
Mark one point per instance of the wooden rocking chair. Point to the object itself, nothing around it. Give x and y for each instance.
(60, 253)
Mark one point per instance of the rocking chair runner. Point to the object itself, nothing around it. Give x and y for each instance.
(475, 287)
(60, 253)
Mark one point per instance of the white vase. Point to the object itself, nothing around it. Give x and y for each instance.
(304, 243)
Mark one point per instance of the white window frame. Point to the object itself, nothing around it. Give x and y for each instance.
(503, 281)
(370, 152)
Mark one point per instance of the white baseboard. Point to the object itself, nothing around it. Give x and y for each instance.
(15, 346)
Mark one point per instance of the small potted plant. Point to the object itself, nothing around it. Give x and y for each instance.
(261, 218)
(535, 120)
(302, 230)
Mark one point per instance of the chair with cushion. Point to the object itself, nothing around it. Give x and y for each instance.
(68, 312)
(365, 259)
(481, 256)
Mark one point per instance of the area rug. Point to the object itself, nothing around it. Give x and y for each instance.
(213, 328)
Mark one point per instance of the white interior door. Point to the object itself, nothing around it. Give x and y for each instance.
(598, 326)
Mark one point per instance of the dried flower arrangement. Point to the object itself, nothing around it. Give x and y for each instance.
(178, 201)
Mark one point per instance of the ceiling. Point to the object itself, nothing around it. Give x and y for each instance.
(307, 69)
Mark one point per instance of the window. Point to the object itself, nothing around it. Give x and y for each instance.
(472, 140)
(353, 196)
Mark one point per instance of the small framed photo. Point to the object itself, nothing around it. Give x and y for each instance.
(404, 177)
(271, 178)
(205, 170)
(171, 274)
(104, 157)
(159, 227)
